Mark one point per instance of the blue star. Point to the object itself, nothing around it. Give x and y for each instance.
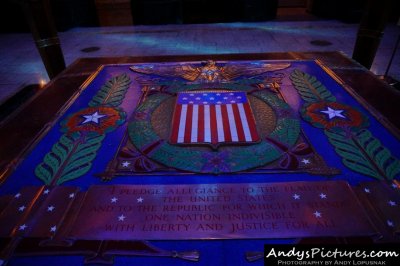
(390, 223)
(92, 118)
(333, 113)
(22, 227)
(322, 196)
(317, 214)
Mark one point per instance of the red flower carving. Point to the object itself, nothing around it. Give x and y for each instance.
(98, 119)
(331, 115)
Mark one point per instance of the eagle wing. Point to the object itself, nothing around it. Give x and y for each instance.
(184, 71)
(232, 71)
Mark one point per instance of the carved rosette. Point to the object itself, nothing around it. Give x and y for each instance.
(100, 119)
(333, 115)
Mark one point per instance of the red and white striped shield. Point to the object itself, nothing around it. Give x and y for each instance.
(213, 117)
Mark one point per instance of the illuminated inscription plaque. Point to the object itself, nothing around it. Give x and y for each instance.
(221, 211)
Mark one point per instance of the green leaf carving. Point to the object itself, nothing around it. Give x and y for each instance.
(363, 153)
(309, 88)
(70, 158)
(112, 92)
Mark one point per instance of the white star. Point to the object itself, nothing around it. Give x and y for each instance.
(46, 192)
(184, 98)
(121, 217)
(322, 196)
(191, 102)
(22, 227)
(231, 93)
(198, 98)
(92, 118)
(305, 161)
(50, 208)
(333, 113)
(367, 190)
(394, 185)
(114, 200)
(212, 98)
(392, 203)
(225, 98)
(239, 97)
(390, 223)
(17, 195)
(71, 195)
(204, 94)
(22, 208)
(233, 101)
(205, 102)
(140, 200)
(125, 164)
(218, 94)
(296, 196)
(191, 94)
(53, 229)
(317, 214)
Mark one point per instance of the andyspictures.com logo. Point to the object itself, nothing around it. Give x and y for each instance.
(332, 255)
(321, 253)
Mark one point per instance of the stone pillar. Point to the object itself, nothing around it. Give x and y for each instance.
(371, 30)
(41, 23)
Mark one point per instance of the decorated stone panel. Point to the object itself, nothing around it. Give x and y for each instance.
(266, 119)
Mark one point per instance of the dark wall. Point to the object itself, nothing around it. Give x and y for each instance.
(347, 10)
(153, 12)
(259, 10)
(74, 13)
(67, 14)
(394, 15)
(201, 11)
(12, 18)
(82, 13)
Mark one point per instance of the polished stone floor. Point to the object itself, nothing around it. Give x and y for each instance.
(20, 63)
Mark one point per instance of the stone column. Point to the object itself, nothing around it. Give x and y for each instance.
(371, 30)
(41, 23)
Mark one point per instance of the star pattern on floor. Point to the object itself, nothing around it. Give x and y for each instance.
(95, 117)
(332, 113)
